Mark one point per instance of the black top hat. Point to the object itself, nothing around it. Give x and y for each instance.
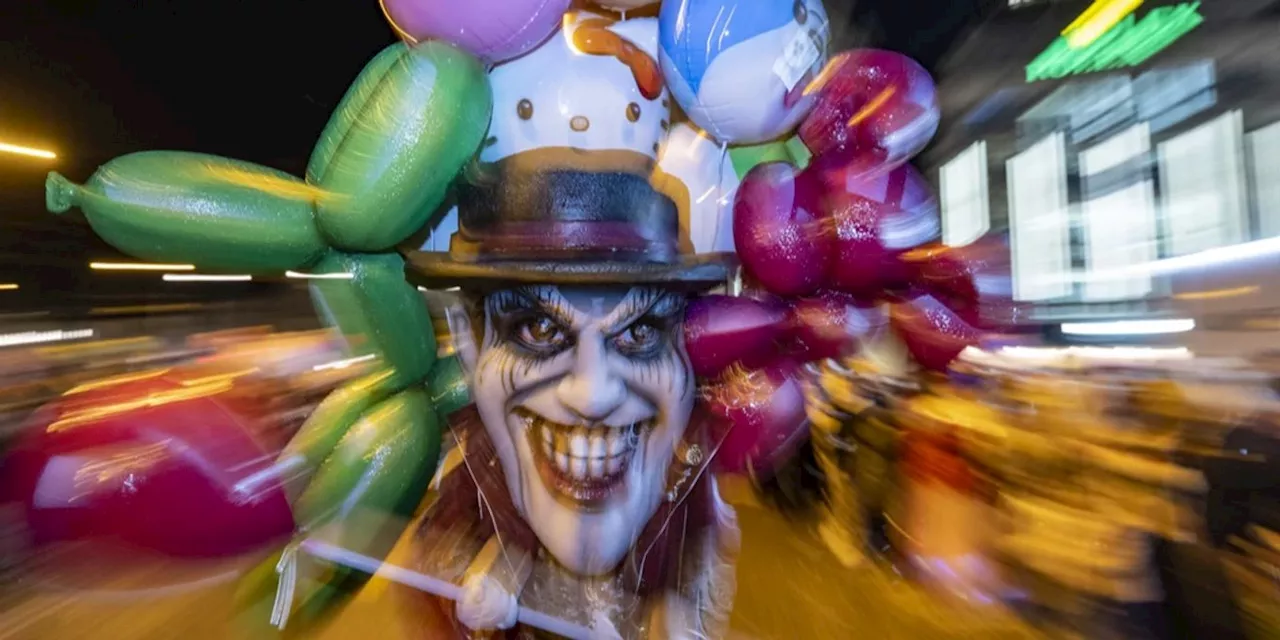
(567, 216)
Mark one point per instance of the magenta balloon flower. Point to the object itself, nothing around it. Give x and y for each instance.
(933, 333)
(759, 414)
(831, 324)
(492, 30)
(722, 330)
(873, 220)
(878, 106)
(974, 280)
(780, 231)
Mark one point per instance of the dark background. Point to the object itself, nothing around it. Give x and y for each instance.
(254, 80)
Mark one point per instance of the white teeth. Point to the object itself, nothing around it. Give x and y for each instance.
(586, 452)
(578, 445)
(617, 442)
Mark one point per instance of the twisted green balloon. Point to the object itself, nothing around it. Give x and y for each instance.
(405, 129)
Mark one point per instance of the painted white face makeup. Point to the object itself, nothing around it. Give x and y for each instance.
(585, 393)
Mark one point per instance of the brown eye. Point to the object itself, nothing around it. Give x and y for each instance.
(800, 11)
(633, 112)
(639, 339)
(524, 109)
(541, 333)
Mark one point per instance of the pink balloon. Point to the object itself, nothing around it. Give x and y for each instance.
(874, 219)
(492, 30)
(934, 334)
(975, 280)
(879, 106)
(759, 414)
(830, 324)
(778, 229)
(722, 330)
(184, 478)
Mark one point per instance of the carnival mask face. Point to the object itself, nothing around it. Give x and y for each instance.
(585, 393)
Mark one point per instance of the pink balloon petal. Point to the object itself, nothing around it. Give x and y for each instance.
(761, 415)
(779, 230)
(879, 106)
(933, 333)
(831, 324)
(722, 330)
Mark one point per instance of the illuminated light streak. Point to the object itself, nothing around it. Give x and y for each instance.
(1098, 19)
(1130, 43)
(20, 150)
(139, 266)
(1129, 327)
(196, 277)
(37, 337)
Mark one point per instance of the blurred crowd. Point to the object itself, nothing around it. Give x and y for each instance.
(1125, 498)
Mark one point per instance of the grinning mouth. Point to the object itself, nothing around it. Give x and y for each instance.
(583, 464)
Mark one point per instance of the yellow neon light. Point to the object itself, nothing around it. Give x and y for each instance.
(8, 286)
(1098, 19)
(27, 151)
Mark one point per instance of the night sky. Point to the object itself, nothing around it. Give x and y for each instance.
(254, 80)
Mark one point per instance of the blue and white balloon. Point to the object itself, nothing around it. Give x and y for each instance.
(739, 68)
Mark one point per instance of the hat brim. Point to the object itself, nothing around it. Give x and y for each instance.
(435, 270)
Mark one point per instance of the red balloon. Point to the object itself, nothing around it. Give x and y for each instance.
(874, 219)
(933, 333)
(759, 414)
(156, 464)
(975, 280)
(830, 324)
(879, 106)
(722, 330)
(778, 229)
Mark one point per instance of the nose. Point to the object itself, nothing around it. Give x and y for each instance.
(592, 390)
(579, 123)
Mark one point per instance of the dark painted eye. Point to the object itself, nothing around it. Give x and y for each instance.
(641, 338)
(800, 11)
(633, 112)
(524, 109)
(541, 333)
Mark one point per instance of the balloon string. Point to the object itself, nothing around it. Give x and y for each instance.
(720, 214)
(287, 569)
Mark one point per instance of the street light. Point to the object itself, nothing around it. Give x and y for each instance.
(139, 266)
(27, 151)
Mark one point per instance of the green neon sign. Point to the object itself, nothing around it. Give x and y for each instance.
(1131, 42)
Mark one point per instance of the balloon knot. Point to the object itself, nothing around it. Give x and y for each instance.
(59, 193)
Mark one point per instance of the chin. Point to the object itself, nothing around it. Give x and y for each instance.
(588, 492)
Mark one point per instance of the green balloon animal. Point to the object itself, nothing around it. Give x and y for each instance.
(415, 116)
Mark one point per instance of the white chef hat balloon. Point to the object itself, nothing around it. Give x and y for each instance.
(739, 68)
(707, 174)
(596, 85)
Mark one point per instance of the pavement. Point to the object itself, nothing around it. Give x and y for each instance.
(789, 586)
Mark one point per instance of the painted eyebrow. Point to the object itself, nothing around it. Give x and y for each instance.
(639, 302)
(544, 299)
